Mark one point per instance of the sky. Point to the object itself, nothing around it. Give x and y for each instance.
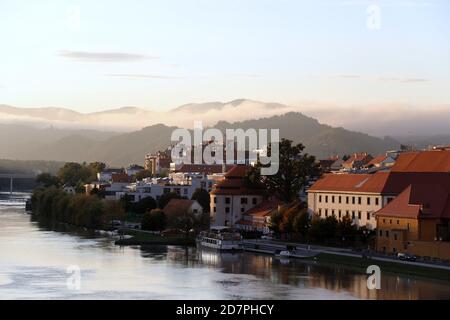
(159, 54)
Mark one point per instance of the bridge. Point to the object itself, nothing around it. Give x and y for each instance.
(12, 176)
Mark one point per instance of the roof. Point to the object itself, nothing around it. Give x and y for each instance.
(264, 209)
(419, 201)
(366, 183)
(178, 205)
(423, 161)
(363, 156)
(112, 170)
(377, 160)
(398, 181)
(234, 183)
(135, 166)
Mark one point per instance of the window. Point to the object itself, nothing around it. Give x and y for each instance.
(254, 201)
(242, 209)
(326, 199)
(215, 209)
(408, 226)
(227, 200)
(320, 212)
(332, 213)
(326, 212)
(227, 209)
(377, 201)
(381, 233)
(368, 201)
(398, 221)
(340, 214)
(332, 199)
(387, 233)
(320, 198)
(195, 211)
(395, 236)
(244, 200)
(353, 200)
(368, 215)
(340, 199)
(359, 215)
(390, 221)
(359, 200)
(394, 250)
(215, 200)
(384, 220)
(346, 200)
(347, 213)
(353, 215)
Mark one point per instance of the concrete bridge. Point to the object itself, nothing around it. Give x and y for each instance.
(13, 176)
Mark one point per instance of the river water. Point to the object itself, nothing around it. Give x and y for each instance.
(38, 262)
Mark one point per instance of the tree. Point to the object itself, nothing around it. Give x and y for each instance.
(154, 220)
(302, 222)
(144, 205)
(166, 197)
(97, 167)
(203, 198)
(47, 180)
(324, 230)
(143, 174)
(112, 210)
(296, 169)
(75, 174)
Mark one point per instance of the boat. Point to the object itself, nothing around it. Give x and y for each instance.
(221, 239)
(297, 254)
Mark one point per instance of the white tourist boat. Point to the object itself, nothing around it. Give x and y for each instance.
(220, 238)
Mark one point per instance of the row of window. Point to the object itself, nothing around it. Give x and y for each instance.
(325, 213)
(244, 200)
(353, 199)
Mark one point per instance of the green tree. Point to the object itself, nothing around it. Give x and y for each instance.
(295, 171)
(76, 174)
(203, 198)
(144, 205)
(97, 167)
(154, 220)
(47, 180)
(112, 210)
(302, 223)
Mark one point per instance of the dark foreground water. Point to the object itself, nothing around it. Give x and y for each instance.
(39, 263)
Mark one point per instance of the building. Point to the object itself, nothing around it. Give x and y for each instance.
(232, 197)
(158, 163)
(357, 161)
(425, 167)
(133, 169)
(331, 164)
(258, 218)
(177, 206)
(381, 162)
(416, 222)
(354, 195)
(106, 175)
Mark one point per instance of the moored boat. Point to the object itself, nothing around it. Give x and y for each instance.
(220, 238)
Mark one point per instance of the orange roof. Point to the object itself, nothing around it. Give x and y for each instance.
(234, 184)
(363, 156)
(423, 161)
(371, 183)
(419, 201)
(377, 160)
(263, 209)
(177, 205)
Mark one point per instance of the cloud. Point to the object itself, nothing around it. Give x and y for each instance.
(403, 80)
(85, 56)
(141, 76)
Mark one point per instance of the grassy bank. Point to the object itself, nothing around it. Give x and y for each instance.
(360, 265)
(145, 238)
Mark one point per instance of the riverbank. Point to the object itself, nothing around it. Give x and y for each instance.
(394, 267)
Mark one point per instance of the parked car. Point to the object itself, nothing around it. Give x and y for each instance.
(267, 237)
(406, 256)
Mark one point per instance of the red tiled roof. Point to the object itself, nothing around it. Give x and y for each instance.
(363, 156)
(398, 181)
(377, 160)
(423, 161)
(263, 209)
(177, 205)
(234, 184)
(419, 200)
(371, 183)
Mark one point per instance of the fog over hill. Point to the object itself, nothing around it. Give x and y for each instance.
(377, 120)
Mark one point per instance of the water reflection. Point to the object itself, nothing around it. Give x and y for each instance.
(34, 257)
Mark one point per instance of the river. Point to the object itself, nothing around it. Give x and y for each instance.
(36, 262)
